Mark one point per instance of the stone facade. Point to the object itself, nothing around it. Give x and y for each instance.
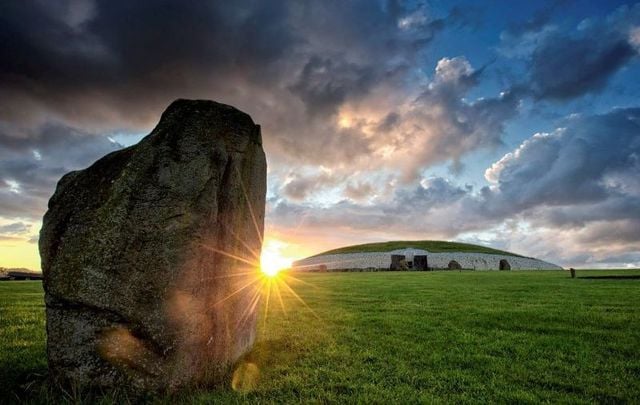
(382, 261)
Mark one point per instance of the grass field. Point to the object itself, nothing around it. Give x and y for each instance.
(394, 337)
(434, 246)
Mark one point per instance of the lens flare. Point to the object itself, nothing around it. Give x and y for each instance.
(272, 261)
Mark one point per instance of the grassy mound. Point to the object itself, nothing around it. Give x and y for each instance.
(434, 246)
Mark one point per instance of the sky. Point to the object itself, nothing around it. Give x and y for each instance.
(514, 124)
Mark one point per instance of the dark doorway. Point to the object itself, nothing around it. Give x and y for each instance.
(420, 262)
(504, 265)
(453, 265)
(398, 262)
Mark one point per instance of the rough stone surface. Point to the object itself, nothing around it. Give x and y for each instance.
(453, 265)
(138, 291)
(440, 260)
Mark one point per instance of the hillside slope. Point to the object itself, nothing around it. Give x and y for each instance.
(434, 246)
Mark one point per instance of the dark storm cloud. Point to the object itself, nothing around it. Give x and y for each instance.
(110, 65)
(99, 66)
(590, 160)
(97, 62)
(563, 68)
(568, 64)
(324, 84)
(31, 164)
(300, 187)
(124, 56)
(363, 44)
(140, 37)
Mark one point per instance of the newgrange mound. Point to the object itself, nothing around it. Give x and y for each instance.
(419, 255)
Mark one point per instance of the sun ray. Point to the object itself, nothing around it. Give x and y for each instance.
(266, 302)
(253, 303)
(300, 299)
(222, 252)
(237, 291)
(249, 248)
(237, 274)
(277, 288)
(246, 197)
(289, 276)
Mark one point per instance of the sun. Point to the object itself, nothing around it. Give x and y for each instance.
(272, 261)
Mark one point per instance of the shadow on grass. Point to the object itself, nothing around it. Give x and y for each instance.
(22, 385)
(612, 277)
(33, 385)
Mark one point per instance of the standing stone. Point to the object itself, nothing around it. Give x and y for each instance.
(150, 255)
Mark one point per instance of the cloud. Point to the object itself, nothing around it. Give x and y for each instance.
(445, 126)
(325, 84)
(87, 64)
(15, 228)
(293, 66)
(634, 37)
(563, 64)
(359, 191)
(576, 186)
(353, 119)
(430, 194)
(570, 196)
(590, 159)
(32, 162)
(299, 187)
(423, 210)
(298, 68)
(563, 68)
(96, 66)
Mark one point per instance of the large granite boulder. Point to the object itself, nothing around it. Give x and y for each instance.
(150, 255)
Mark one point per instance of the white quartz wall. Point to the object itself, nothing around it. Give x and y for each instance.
(382, 260)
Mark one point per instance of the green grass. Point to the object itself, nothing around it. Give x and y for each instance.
(396, 337)
(434, 246)
(22, 337)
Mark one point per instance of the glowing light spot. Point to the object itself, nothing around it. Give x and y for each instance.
(272, 260)
(345, 121)
(245, 377)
